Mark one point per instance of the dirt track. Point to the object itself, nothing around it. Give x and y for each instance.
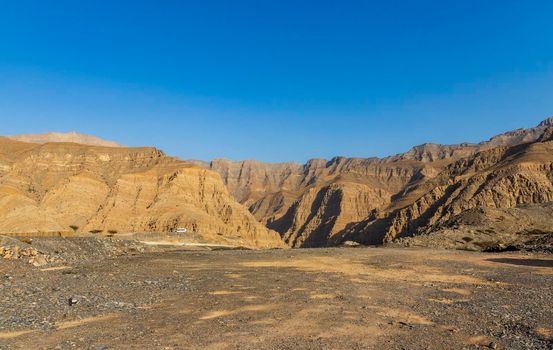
(362, 298)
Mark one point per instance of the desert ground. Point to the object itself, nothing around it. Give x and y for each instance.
(335, 298)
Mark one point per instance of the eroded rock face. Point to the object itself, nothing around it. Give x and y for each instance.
(57, 187)
(320, 203)
(309, 204)
(250, 180)
(376, 200)
(502, 177)
(323, 212)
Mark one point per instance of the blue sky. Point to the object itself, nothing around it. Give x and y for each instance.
(276, 80)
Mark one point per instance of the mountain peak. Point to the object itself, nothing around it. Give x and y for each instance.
(73, 137)
(547, 122)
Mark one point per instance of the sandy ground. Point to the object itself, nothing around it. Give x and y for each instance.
(343, 298)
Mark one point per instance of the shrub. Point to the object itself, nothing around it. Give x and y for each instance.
(74, 227)
(95, 231)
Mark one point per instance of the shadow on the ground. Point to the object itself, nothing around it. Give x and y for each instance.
(524, 262)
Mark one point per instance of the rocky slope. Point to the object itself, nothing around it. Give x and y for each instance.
(325, 202)
(73, 137)
(54, 186)
(501, 177)
(309, 203)
(528, 227)
(320, 203)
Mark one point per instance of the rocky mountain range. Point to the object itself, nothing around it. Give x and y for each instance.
(58, 187)
(320, 203)
(375, 200)
(73, 137)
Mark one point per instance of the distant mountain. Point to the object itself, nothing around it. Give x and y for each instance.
(430, 188)
(498, 178)
(373, 200)
(72, 137)
(429, 152)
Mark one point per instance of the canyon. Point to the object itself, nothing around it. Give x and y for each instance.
(376, 201)
(321, 203)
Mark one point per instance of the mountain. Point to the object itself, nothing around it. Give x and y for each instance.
(323, 202)
(501, 177)
(422, 196)
(54, 186)
(72, 137)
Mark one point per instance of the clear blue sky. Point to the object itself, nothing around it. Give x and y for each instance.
(276, 80)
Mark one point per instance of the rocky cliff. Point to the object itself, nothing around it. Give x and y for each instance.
(55, 186)
(375, 200)
(319, 203)
(309, 203)
(501, 177)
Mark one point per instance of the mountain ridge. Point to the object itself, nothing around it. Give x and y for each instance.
(72, 137)
(378, 200)
(57, 187)
(312, 204)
